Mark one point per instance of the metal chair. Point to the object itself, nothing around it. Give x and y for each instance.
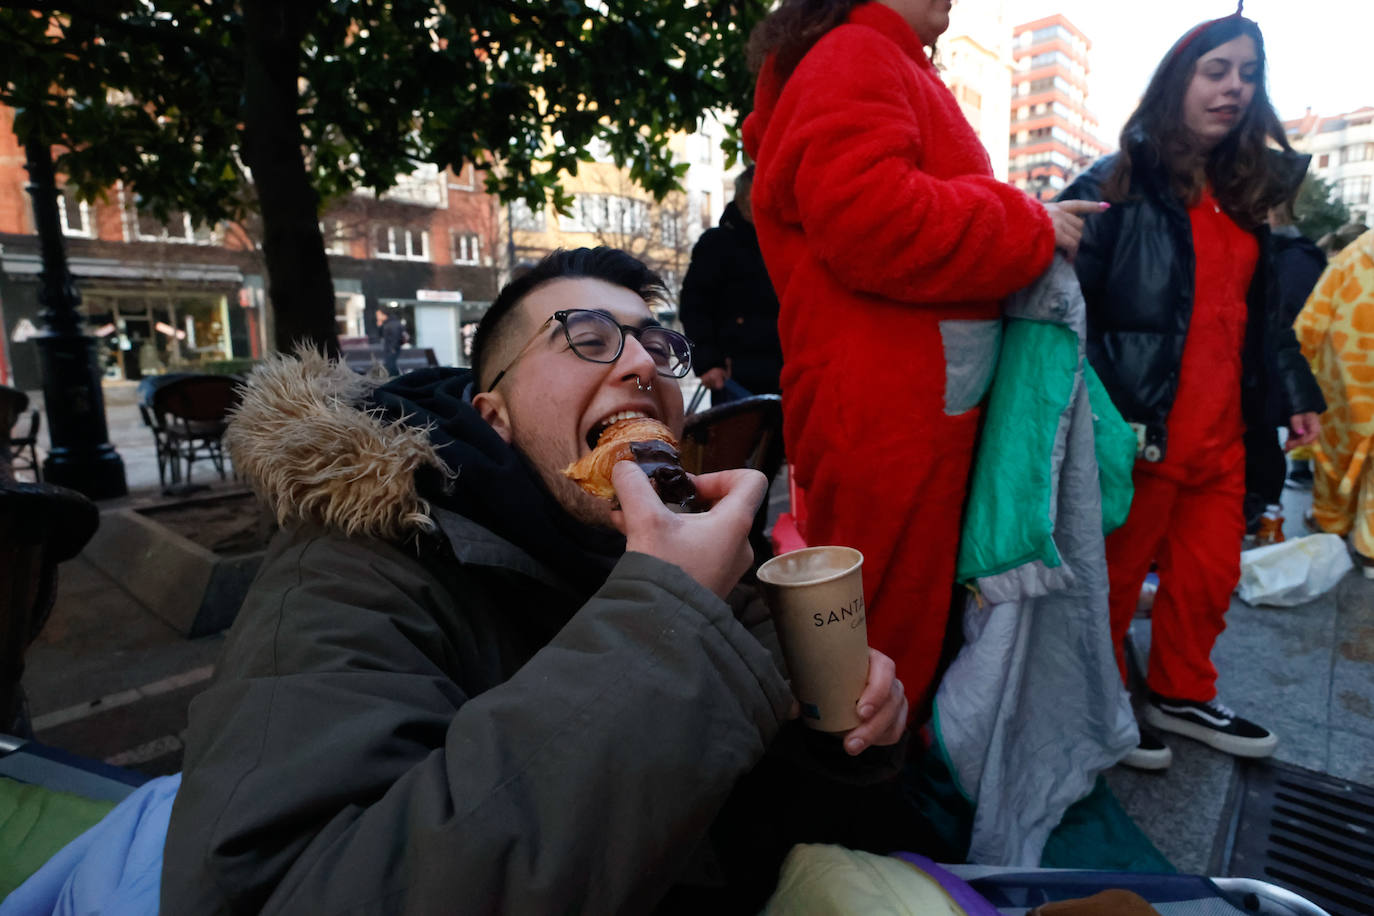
(27, 443)
(741, 434)
(13, 404)
(190, 416)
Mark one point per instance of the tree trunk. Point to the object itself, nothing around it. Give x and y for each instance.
(298, 280)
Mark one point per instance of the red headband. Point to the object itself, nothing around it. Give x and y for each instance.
(1188, 39)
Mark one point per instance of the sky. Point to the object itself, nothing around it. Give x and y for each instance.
(1321, 52)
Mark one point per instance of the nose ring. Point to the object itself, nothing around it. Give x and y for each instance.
(640, 386)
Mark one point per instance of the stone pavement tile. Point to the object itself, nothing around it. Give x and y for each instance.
(131, 734)
(1303, 743)
(1277, 660)
(1352, 676)
(1181, 809)
(1352, 756)
(99, 641)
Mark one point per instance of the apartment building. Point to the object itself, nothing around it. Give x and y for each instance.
(171, 296)
(1342, 148)
(1053, 134)
(975, 60)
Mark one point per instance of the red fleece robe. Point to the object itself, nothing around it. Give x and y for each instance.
(879, 219)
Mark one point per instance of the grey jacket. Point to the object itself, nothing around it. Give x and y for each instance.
(437, 723)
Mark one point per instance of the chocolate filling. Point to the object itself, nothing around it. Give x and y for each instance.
(660, 462)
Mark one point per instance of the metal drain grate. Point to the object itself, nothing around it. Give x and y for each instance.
(1308, 832)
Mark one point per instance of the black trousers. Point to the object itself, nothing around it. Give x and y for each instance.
(1265, 469)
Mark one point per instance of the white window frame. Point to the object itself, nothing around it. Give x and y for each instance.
(524, 219)
(401, 244)
(86, 230)
(466, 247)
(188, 236)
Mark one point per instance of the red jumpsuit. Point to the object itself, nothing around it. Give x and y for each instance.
(1187, 515)
(880, 221)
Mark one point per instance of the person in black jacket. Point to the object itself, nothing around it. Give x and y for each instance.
(393, 334)
(1186, 333)
(729, 309)
(1298, 264)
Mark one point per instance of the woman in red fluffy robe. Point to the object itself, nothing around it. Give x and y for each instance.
(890, 244)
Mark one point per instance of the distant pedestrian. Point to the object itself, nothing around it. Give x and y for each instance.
(891, 246)
(1336, 329)
(729, 309)
(393, 334)
(1187, 333)
(1298, 263)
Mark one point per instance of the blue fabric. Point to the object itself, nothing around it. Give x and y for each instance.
(113, 869)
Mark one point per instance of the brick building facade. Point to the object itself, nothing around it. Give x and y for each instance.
(173, 297)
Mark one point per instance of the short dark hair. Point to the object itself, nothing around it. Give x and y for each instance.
(608, 264)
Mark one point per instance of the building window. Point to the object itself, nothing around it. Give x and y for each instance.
(1355, 190)
(466, 248)
(670, 229)
(177, 228)
(1357, 152)
(398, 243)
(1323, 160)
(75, 215)
(607, 213)
(525, 219)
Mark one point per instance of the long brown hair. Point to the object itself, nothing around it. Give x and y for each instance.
(1241, 168)
(793, 29)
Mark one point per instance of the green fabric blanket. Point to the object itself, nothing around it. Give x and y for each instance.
(35, 823)
(1010, 516)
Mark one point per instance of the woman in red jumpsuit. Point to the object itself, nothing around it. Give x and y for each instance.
(1185, 330)
(889, 244)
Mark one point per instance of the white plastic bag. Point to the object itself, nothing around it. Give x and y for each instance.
(1294, 571)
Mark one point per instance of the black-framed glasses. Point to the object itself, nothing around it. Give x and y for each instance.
(599, 338)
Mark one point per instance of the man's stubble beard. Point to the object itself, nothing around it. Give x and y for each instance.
(572, 499)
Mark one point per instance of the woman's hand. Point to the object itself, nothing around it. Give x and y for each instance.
(882, 707)
(1067, 217)
(1303, 429)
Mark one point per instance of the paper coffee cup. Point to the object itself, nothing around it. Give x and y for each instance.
(817, 599)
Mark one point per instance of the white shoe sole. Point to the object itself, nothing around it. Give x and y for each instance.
(1153, 761)
(1227, 744)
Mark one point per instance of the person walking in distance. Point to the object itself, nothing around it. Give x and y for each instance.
(729, 309)
(393, 334)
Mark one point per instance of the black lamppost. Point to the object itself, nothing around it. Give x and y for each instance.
(81, 457)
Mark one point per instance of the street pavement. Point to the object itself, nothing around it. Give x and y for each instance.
(108, 679)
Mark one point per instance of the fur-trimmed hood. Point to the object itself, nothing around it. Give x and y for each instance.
(310, 450)
(322, 445)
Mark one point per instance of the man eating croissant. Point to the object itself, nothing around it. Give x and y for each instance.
(463, 682)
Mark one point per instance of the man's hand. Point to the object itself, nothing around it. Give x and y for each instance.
(712, 546)
(1067, 217)
(882, 707)
(715, 378)
(1304, 428)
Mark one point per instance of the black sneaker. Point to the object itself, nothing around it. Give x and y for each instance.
(1149, 754)
(1212, 724)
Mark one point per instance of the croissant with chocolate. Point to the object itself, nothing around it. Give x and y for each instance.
(648, 443)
